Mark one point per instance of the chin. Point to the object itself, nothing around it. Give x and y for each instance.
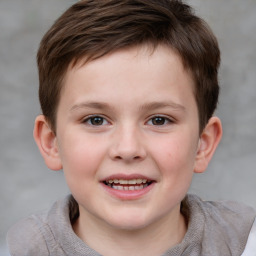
(129, 223)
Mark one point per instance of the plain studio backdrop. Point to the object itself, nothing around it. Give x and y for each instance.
(27, 186)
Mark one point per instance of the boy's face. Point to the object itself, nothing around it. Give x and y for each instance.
(128, 117)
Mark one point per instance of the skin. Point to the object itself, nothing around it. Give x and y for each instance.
(131, 113)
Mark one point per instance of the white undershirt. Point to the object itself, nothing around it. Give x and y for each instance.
(250, 248)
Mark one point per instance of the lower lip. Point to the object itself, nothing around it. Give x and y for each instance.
(128, 194)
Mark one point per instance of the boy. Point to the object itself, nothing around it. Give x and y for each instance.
(128, 89)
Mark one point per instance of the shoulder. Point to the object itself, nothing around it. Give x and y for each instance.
(40, 234)
(25, 238)
(227, 224)
(227, 212)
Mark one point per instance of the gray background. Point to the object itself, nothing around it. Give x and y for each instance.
(27, 186)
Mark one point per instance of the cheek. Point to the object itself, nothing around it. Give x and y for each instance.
(176, 164)
(80, 156)
(80, 165)
(175, 155)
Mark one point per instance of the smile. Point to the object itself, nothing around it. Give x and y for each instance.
(127, 184)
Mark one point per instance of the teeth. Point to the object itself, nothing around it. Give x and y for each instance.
(117, 187)
(128, 187)
(132, 184)
(138, 187)
(124, 182)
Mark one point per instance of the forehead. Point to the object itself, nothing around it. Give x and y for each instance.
(134, 71)
(138, 51)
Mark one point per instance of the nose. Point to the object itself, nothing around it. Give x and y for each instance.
(127, 145)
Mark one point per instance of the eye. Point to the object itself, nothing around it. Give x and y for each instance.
(159, 120)
(95, 121)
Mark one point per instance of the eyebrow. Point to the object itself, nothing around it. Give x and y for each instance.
(147, 106)
(94, 105)
(158, 105)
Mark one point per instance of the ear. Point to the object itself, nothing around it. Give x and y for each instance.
(208, 143)
(47, 143)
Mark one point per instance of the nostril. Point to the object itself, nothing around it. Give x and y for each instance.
(134, 158)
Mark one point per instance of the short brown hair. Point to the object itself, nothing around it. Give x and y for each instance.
(92, 28)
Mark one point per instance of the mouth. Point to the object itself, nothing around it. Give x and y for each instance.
(128, 184)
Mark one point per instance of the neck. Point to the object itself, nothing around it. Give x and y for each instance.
(153, 239)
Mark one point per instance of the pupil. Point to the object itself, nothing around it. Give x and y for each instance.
(97, 120)
(158, 121)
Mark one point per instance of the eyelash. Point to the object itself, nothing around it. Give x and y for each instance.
(89, 120)
(160, 118)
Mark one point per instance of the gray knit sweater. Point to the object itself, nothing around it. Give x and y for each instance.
(214, 229)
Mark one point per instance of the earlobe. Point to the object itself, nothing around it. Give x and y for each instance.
(47, 144)
(208, 143)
